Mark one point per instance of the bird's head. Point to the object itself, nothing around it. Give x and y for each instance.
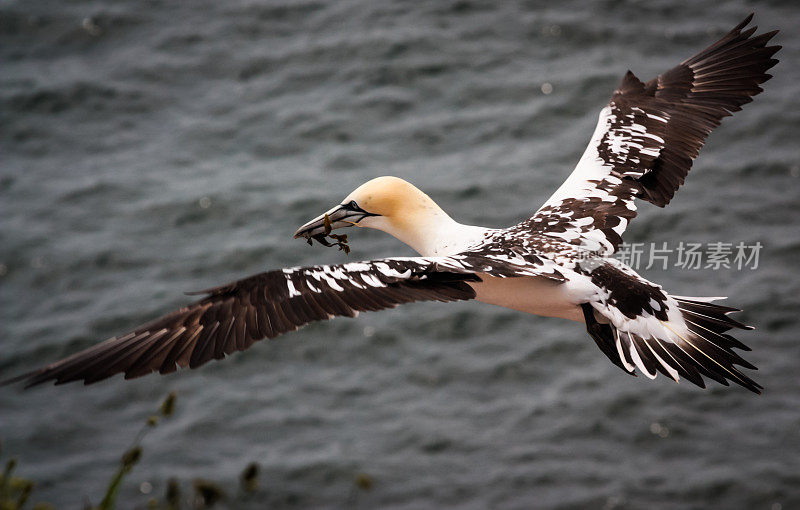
(385, 203)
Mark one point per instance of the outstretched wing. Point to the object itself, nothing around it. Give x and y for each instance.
(648, 136)
(232, 317)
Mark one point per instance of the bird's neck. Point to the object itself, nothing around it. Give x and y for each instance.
(430, 231)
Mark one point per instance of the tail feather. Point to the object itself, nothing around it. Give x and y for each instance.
(661, 356)
(646, 363)
(694, 344)
(603, 335)
(707, 325)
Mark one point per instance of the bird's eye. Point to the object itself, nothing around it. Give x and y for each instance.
(353, 205)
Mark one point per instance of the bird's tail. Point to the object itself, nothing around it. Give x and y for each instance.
(690, 340)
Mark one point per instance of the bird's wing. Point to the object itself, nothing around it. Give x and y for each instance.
(232, 317)
(511, 254)
(648, 136)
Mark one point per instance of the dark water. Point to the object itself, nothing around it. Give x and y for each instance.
(147, 148)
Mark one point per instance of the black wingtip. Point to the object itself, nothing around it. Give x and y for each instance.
(27, 377)
(203, 292)
(745, 22)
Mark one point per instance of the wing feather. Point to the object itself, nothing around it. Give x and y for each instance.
(232, 317)
(648, 136)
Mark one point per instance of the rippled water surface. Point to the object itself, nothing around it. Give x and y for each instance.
(147, 148)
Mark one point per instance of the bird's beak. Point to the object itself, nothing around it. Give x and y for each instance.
(343, 215)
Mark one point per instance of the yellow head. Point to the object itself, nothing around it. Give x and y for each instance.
(386, 203)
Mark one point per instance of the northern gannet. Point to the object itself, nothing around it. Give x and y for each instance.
(557, 263)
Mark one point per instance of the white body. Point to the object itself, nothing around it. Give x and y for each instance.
(443, 236)
(532, 294)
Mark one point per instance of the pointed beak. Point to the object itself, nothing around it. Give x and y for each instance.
(343, 215)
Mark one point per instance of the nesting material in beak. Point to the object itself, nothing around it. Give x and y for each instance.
(343, 215)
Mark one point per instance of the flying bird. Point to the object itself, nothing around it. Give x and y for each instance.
(557, 263)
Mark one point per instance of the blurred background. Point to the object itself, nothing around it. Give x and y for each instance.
(152, 147)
